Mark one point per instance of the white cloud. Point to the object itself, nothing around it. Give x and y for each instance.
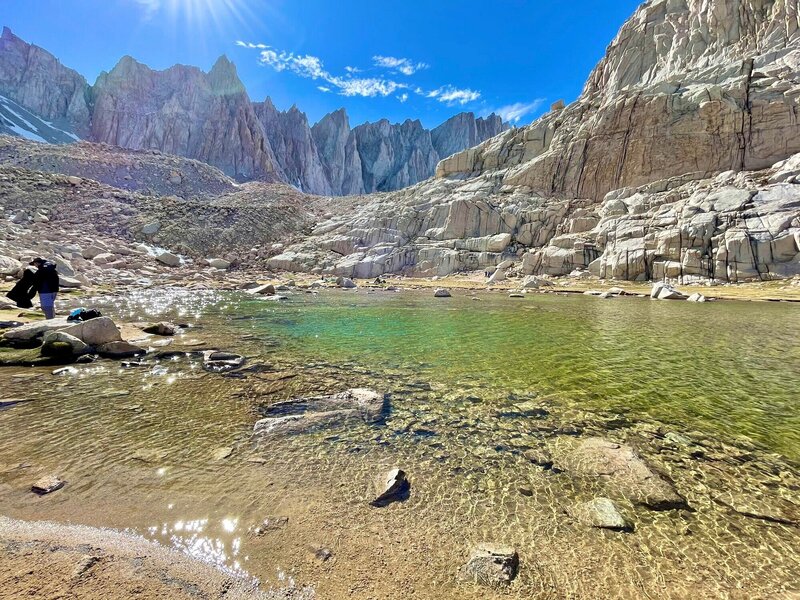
(451, 95)
(512, 113)
(312, 67)
(251, 45)
(366, 87)
(405, 66)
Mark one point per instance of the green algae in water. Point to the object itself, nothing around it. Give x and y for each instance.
(727, 367)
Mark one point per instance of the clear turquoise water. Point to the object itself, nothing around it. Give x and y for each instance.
(729, 368)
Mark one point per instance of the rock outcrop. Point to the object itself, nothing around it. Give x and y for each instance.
(680, 160)
(465, 131)
(336, 144)
(394, 156)
(183, 111)
(35, 79)
(294, 147)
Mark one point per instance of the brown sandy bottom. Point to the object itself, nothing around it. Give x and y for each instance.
(48, 560)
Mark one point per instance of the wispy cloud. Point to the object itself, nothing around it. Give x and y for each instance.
(312, 67)
(451, 95)
(513, 113)
(405, 66)
(351, 84)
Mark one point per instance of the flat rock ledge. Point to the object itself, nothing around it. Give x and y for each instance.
(303, 415)
(621, 470)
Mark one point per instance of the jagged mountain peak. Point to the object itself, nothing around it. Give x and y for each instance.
(224, 77)
(208, 116)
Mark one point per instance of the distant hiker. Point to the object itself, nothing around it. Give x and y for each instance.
(46, 283)
(24, 290)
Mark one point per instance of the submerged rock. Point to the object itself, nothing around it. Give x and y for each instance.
(47, 485)
(491, 565)
(220, 362)
(164, 328)
(601, 513)
(391, 487)
(119, 349)
(302, 415)
(441, 293)
(621, 469)
(697, 297)
(271, 524)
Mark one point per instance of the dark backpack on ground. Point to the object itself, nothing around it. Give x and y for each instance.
(81, 314)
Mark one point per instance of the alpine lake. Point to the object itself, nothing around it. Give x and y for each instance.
(486, 395)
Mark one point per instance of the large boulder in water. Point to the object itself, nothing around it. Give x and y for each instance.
(95, 332)
(302, 415)
(55, 341)
(623, 471)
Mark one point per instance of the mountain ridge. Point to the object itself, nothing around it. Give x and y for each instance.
(209, 116)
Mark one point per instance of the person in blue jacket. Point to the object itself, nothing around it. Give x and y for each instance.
(46, 284)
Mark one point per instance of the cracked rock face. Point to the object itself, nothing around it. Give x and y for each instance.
(183, 111)
(681, 159)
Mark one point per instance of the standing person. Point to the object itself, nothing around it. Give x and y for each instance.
(46, 283)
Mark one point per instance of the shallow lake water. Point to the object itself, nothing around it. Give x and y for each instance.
(707, 394)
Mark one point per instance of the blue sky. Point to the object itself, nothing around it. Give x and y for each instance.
(413, 59)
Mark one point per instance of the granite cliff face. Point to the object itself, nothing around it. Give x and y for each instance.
(183, 111)
(394, 156)
(338, 150)
(464, 131)
(34, 79)
(680, 159)
(294, 148)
